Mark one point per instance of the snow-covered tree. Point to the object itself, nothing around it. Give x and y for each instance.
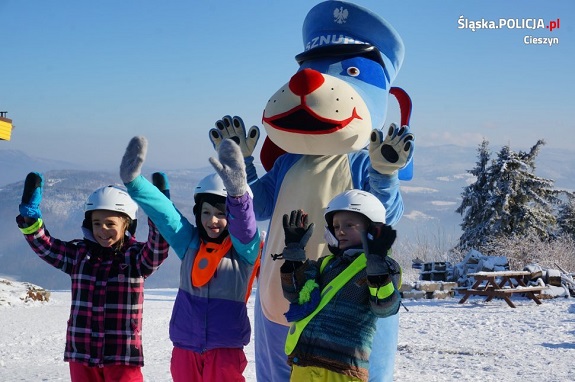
(566, 218)
(521, 203)
(473, 201)
(507, 199)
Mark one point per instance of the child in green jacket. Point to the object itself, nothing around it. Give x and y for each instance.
(335, 301)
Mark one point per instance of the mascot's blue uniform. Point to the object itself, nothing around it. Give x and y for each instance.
(326, 122)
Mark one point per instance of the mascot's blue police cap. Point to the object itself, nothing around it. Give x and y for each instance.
(337, 24)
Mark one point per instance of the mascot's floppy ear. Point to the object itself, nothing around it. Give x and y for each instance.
(404, 101)
(269, 153)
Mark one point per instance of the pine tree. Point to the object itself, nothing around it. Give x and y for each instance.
(506, 200)
(520, 203)
(473, 201)
(566, 218)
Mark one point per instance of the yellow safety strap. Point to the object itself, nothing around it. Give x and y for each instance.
(327, 294)
(382, 292)
(33, 228)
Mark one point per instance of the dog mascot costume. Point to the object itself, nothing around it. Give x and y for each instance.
(324, 136)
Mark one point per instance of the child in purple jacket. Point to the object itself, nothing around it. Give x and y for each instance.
(209, 325)
(107, 269)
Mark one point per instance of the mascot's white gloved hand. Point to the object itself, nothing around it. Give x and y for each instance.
(392, 152)
(133, 159)
(234, 129)
(231, 168)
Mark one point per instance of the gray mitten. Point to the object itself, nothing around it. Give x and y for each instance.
(231, 168)
(133, 159)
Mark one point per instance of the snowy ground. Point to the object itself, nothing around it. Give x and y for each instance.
(440, 340)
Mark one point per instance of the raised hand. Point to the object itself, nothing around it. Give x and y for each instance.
(160, 180)
(32, 196)
(380, 238)
(297, 232)
(234, 129)
(231, 168)
(133, 159)
(392, 152)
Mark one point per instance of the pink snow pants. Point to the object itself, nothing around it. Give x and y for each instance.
(112, 373)
(213, 365)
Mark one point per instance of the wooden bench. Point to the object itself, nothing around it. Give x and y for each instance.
(501, 285)
(521, 289)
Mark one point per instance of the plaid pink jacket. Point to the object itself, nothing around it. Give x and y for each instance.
(107, 288)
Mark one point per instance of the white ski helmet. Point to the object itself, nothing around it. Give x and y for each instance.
(112, 198)
(359, 201)
(213, 184)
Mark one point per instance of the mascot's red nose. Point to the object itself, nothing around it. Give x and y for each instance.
(305, 82)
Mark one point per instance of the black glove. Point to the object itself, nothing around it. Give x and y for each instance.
(380, 238)
(32, 196)
(160, 180)
(297, 233)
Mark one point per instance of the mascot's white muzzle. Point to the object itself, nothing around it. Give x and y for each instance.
(317, 114)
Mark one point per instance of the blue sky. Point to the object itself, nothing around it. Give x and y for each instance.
(80, 78)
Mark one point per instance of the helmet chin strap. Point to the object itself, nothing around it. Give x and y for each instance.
(330, 238)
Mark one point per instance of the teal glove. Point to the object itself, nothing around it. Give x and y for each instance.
(160, 180)
(32, 196)
(231, 168)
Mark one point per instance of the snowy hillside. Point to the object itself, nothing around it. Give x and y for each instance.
(439, 340)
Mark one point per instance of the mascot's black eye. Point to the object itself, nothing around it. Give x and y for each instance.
(353, 71)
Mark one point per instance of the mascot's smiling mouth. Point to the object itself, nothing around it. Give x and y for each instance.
(304, 121)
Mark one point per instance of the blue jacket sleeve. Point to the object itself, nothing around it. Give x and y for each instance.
(173, 226)
(384, 187)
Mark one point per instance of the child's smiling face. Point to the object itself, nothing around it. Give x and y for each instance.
(213, 220)
(108, 227)
(348, 228)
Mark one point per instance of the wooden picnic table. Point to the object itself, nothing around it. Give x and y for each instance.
(502, 284)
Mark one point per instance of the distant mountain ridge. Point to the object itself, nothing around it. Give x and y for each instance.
(15, 164)
(430, 201)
